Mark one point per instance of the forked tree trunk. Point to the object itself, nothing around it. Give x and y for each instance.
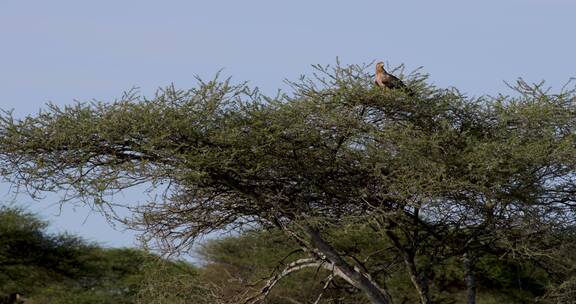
(419, 281)
(357, 277)
(470, 278)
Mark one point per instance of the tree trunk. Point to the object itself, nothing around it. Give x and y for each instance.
(357, 277)
(470, 278)
(419, 281)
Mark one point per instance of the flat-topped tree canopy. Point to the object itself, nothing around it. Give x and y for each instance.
(335, 150)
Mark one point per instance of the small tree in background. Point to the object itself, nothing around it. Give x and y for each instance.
(61, 268)
(437, 174)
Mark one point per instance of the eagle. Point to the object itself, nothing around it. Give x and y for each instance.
(385, 80)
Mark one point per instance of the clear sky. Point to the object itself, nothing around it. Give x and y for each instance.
(62, 51)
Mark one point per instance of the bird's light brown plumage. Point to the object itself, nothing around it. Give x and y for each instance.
(386, 80)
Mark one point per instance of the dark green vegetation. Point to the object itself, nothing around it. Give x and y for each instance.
(387, 197)
(62, 268)
(501, 278)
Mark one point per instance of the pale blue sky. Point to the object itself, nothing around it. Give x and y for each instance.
(64, 50)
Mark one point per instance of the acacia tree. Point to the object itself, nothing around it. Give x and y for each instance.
(423, 168)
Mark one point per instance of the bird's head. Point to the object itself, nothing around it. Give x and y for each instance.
(380, 67)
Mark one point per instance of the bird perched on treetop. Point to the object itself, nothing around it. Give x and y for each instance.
(385, 80)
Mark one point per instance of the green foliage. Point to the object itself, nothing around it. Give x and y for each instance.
(175, 283)
(239, 265)
(436, 176)
(64, 269)
(233, 264)
(72, 271)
